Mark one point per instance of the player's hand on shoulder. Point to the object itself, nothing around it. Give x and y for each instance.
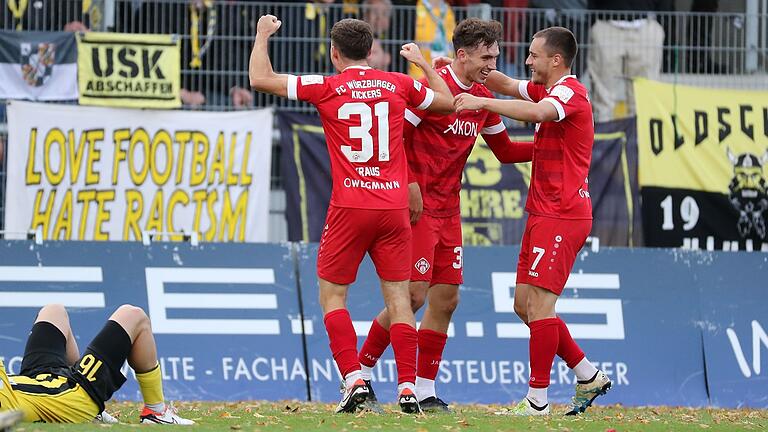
(268, 25)
(466, 101)
(412, 53)
(441, 61)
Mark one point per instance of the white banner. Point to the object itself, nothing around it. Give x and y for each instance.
(88, 173)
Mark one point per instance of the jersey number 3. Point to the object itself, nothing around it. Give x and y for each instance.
(363, 132)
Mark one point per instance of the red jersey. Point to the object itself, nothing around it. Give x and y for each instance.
(362, 112)
(562, 151)
(441, 144)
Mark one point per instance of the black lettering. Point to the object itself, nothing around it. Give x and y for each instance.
(765, 121)
(96, 60)
(748, 129)
(657, 138)
(679, 140)
(125, 56)
(701, 124)
(725, 128)
(151, 64)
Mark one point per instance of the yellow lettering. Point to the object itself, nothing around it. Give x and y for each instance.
(64, 220)
(245, 177)
(43, 218)
(511, 202)
(134, 207)
(233, 219)
(217, 166)
(182, 137)
(179, 196)
(140, 136)
(232, 177)
(212, 197)
(94, 155)
(55, 136)
(199, 158)
(85, 197)
(198, 196)
(161, 138)
(119, 135)
(483, 169)
(102, 214)
(75, 156)
(33, 177)
(155, 217)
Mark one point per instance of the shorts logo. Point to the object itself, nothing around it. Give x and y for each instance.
(422, 265)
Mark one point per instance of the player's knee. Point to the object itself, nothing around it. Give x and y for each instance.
(417, 300)
(448, 304)
(133, 313)
(53, 308)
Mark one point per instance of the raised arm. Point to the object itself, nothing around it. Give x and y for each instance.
(443, 101)
(260, 73)
(534, 112)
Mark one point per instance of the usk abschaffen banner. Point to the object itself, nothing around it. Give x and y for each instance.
(703, 158)
(129, 70)
(89, 173)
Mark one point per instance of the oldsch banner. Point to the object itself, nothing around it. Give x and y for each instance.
(703, 164)
(88, 173)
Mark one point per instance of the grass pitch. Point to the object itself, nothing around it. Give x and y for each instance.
(302, 416)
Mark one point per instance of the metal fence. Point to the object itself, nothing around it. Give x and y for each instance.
(711, 49)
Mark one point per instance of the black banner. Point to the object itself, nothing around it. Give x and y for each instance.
(493, 194)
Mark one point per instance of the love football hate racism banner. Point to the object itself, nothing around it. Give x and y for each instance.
(91, 173)
(703, 163)
(129, 70)
(38, 66)
(493, 194)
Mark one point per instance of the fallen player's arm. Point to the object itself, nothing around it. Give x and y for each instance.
(508, 151)
(538, 112)
(260, 73)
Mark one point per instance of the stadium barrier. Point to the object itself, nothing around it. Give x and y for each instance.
(242, 321)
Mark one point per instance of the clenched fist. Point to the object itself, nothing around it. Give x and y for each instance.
(412, 53)
(268, 25)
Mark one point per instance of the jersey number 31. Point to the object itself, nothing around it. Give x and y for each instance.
(363, 132)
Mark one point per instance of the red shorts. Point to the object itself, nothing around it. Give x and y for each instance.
(549, 249)
(436, 251)
(349, 233)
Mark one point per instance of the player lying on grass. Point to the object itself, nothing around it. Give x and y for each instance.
(57, 385)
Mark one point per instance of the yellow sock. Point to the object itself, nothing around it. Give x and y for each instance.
(151, 385)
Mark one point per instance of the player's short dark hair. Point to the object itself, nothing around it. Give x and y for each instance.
(559, 40)
(472, 33)
(353, 38)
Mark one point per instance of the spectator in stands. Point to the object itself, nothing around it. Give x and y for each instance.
(434, 27)
(700, 37)
(45, 15)
(624, 44)
(571, 14)
(378, 14)
(379, 58)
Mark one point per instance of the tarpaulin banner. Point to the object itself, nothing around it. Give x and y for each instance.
(38, 65)
(492, 196)
(88, 173)
(703, 156)
(129, 70)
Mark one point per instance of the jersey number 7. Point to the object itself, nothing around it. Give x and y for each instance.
(363, 132)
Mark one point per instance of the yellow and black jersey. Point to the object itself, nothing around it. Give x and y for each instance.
(46, 398)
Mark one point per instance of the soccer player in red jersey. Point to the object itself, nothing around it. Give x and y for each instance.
(438, 149)
(559, 207)
(362, 111)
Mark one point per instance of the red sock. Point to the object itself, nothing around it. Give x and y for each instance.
(405, 340)
(431, 346)
(343, 339)
(375, 345)
(543, 346)
(567, 348)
